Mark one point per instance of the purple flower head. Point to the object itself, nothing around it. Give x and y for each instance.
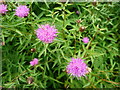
(77, 12)
(22, 11)
(3, 9)
(46, 33)
(77, 67)
(34, 62)
(85, 39)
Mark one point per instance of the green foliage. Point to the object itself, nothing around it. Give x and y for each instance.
(101, 54)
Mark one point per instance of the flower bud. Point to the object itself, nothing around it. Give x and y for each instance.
(77, 12)
(94, 3)
(89, 70)
(33, 49)
(82, 28)
(2, 43)
(78, 21)
(29, 80)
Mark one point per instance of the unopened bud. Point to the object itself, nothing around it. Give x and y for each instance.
(29, 80)
(82, 29)
(94, 3)
(2, 43)
(89, 70)
(77, 12)
(78, 21)
(33, 50)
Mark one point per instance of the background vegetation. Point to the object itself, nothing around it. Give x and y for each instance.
(102, 23)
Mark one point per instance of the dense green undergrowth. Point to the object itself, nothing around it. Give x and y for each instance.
(101, 54)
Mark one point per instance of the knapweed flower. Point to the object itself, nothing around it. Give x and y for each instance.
(34, 62)
(77, 67)
(46, 33)
(3, 9)
(85, 39)
(22, 11)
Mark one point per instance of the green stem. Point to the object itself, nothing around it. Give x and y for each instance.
(75, 44)
(84, 53)
(64, 20)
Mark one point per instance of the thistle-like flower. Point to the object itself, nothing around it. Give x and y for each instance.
(22, 11)
(3, 9)
(46, 33)
(34, 62)
(77, 68)
(85, 39)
